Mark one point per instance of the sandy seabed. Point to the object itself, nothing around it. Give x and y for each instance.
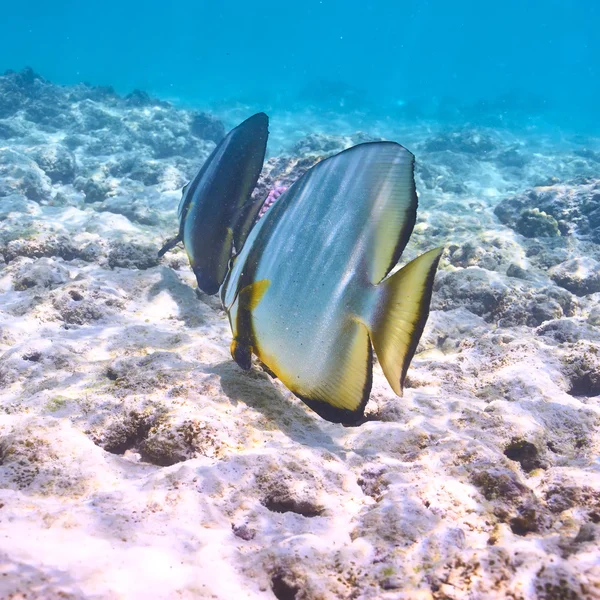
(138, 461)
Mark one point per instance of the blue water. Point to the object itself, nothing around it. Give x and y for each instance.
(514, 61)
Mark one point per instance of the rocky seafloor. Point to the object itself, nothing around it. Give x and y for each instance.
(138, 461)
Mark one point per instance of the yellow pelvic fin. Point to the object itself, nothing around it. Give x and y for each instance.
(402, 311)
(242, 354)
(251, 295)
(248, 299)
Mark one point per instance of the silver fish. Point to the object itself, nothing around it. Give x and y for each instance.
(311, 294)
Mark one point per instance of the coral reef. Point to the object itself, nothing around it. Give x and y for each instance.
(137, 460)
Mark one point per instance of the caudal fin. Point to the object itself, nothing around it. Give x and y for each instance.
(402, 311)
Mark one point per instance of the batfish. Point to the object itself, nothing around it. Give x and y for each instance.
(316, 289)
(216, 212)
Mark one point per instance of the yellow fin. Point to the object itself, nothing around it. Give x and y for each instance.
(402, 311)
(251, 295)
(343, 390)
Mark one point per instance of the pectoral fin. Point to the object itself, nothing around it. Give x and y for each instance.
(252, 294)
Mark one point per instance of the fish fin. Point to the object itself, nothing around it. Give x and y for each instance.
(402, 311)
(241, 354)
(181, 212)
(252, 294)
(170, 244)
(268, 371)
(244, 220)
(391, 185)
(242, 346)
(184, 202)
(342, 395)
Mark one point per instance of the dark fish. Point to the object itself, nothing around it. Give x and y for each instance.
(216, 212)
(311, 293)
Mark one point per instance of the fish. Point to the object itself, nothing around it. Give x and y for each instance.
(216, 211)
(316, 290)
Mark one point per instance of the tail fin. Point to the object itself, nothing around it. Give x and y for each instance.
(402, 311)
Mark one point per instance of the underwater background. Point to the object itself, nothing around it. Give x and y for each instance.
(137, 460)
(512, 62)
